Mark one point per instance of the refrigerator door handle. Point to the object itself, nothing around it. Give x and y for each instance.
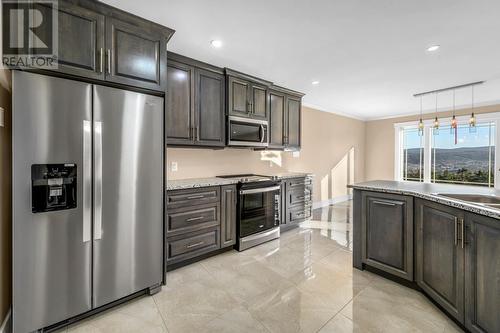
(97, 180)
(87, 180)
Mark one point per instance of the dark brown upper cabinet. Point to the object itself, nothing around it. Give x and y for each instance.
(285, 118)
(195, 106)
(238, 103)
(247, 95)
(277, 102)
(179, 105)
(80, 40)
(97, 41)
(293, 116)
(258, 105)
(135, 55)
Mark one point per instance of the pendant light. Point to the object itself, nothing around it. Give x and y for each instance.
(472, 120)
(420, 122)
(435, 129)
(454, 125)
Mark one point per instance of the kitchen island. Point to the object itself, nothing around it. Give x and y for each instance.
(429, 237)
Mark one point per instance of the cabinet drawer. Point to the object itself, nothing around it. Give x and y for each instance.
(187, 219)
(299, 213)
(193, 197)
(299, 196)
(192, 245)
(301, 182)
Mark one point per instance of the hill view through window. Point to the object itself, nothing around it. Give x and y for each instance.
(470, 161)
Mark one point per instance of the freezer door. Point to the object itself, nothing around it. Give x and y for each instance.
(128, 193)
(51, 249)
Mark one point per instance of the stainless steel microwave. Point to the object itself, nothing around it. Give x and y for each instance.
(245, 132)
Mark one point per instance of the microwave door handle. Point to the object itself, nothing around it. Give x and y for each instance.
(262, 133)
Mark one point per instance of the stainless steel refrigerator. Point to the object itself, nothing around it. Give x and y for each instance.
(87, 197)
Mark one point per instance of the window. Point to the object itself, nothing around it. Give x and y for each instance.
(435, 156)
(413, 161)
(468, 161)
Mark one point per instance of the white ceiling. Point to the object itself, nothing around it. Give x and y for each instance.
(369, 56)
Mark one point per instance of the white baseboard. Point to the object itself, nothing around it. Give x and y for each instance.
(6, 324)
(325, 203)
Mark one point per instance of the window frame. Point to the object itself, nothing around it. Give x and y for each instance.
(427, 144)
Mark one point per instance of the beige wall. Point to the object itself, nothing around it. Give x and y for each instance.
(326, 140)
(5, 196)
(379, 157)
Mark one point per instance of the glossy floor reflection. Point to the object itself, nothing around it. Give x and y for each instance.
(303, 282)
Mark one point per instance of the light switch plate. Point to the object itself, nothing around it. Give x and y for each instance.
(173, 166)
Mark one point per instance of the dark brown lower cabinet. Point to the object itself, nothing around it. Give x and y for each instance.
(228, 215)
(440, 255)
(296, 197)
(199, 221)
(482, 273)
(457, 253)
(186, 219)
(183, 247)
(387, 233)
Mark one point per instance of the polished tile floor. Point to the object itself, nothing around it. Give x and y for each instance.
(303, 282)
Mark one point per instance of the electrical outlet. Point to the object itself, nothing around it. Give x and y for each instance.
(173, 166)
(296, 154)
(2, 117)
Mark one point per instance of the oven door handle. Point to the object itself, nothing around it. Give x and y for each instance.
(261, 131)
(260, 190)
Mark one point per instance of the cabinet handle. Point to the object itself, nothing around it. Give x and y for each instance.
(108, 57)
(101, 60)
(195, 245)
(456, 231)
(384, 203)
(195, 197)
(194, 219)
(462, 232)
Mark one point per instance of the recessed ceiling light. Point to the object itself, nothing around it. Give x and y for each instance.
(433, 48)
(216, 43)
(315, 83)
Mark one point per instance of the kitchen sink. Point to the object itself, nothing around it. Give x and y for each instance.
(481, 199)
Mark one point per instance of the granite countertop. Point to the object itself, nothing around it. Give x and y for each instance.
(428, 192)
(288, 175)
(180, 184)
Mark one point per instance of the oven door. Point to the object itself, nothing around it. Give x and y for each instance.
(258, 209)
(248, 132)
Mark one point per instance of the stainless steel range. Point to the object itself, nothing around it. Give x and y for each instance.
(258, 217)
